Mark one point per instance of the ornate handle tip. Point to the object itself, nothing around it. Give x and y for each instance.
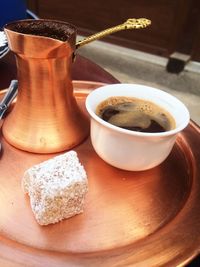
(137, 23)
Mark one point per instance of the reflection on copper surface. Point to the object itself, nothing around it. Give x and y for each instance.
(148, 218)
(46, 117)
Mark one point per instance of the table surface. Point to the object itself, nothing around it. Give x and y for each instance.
(83, 69)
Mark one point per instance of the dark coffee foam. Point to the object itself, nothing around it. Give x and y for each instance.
(135, 114)
(47, 28)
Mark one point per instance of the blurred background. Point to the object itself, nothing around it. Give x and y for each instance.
(175, 23)
(164, 55)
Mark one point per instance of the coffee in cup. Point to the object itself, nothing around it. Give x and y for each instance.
(135, 114)
(134, 150)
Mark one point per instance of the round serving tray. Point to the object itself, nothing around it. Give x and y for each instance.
(147, 218)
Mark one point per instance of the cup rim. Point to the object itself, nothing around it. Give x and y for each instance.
(130, 132)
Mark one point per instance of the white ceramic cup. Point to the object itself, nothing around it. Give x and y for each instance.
(131, 150)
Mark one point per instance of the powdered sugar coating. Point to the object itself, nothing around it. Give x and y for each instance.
(56, 187)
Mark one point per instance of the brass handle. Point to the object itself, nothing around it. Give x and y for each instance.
(127, 25)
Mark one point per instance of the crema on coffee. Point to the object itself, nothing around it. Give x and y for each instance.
(135, 114)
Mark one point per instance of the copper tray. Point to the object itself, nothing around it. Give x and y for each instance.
(149, 218)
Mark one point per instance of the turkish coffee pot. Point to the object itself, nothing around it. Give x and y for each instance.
(46, 117)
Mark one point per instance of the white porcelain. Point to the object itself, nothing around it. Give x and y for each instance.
(130, 150)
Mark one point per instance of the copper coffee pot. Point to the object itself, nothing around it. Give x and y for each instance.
(46, 117)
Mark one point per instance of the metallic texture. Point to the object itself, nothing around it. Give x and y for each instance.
(46, 117)
(127, 25)
(147, 218)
